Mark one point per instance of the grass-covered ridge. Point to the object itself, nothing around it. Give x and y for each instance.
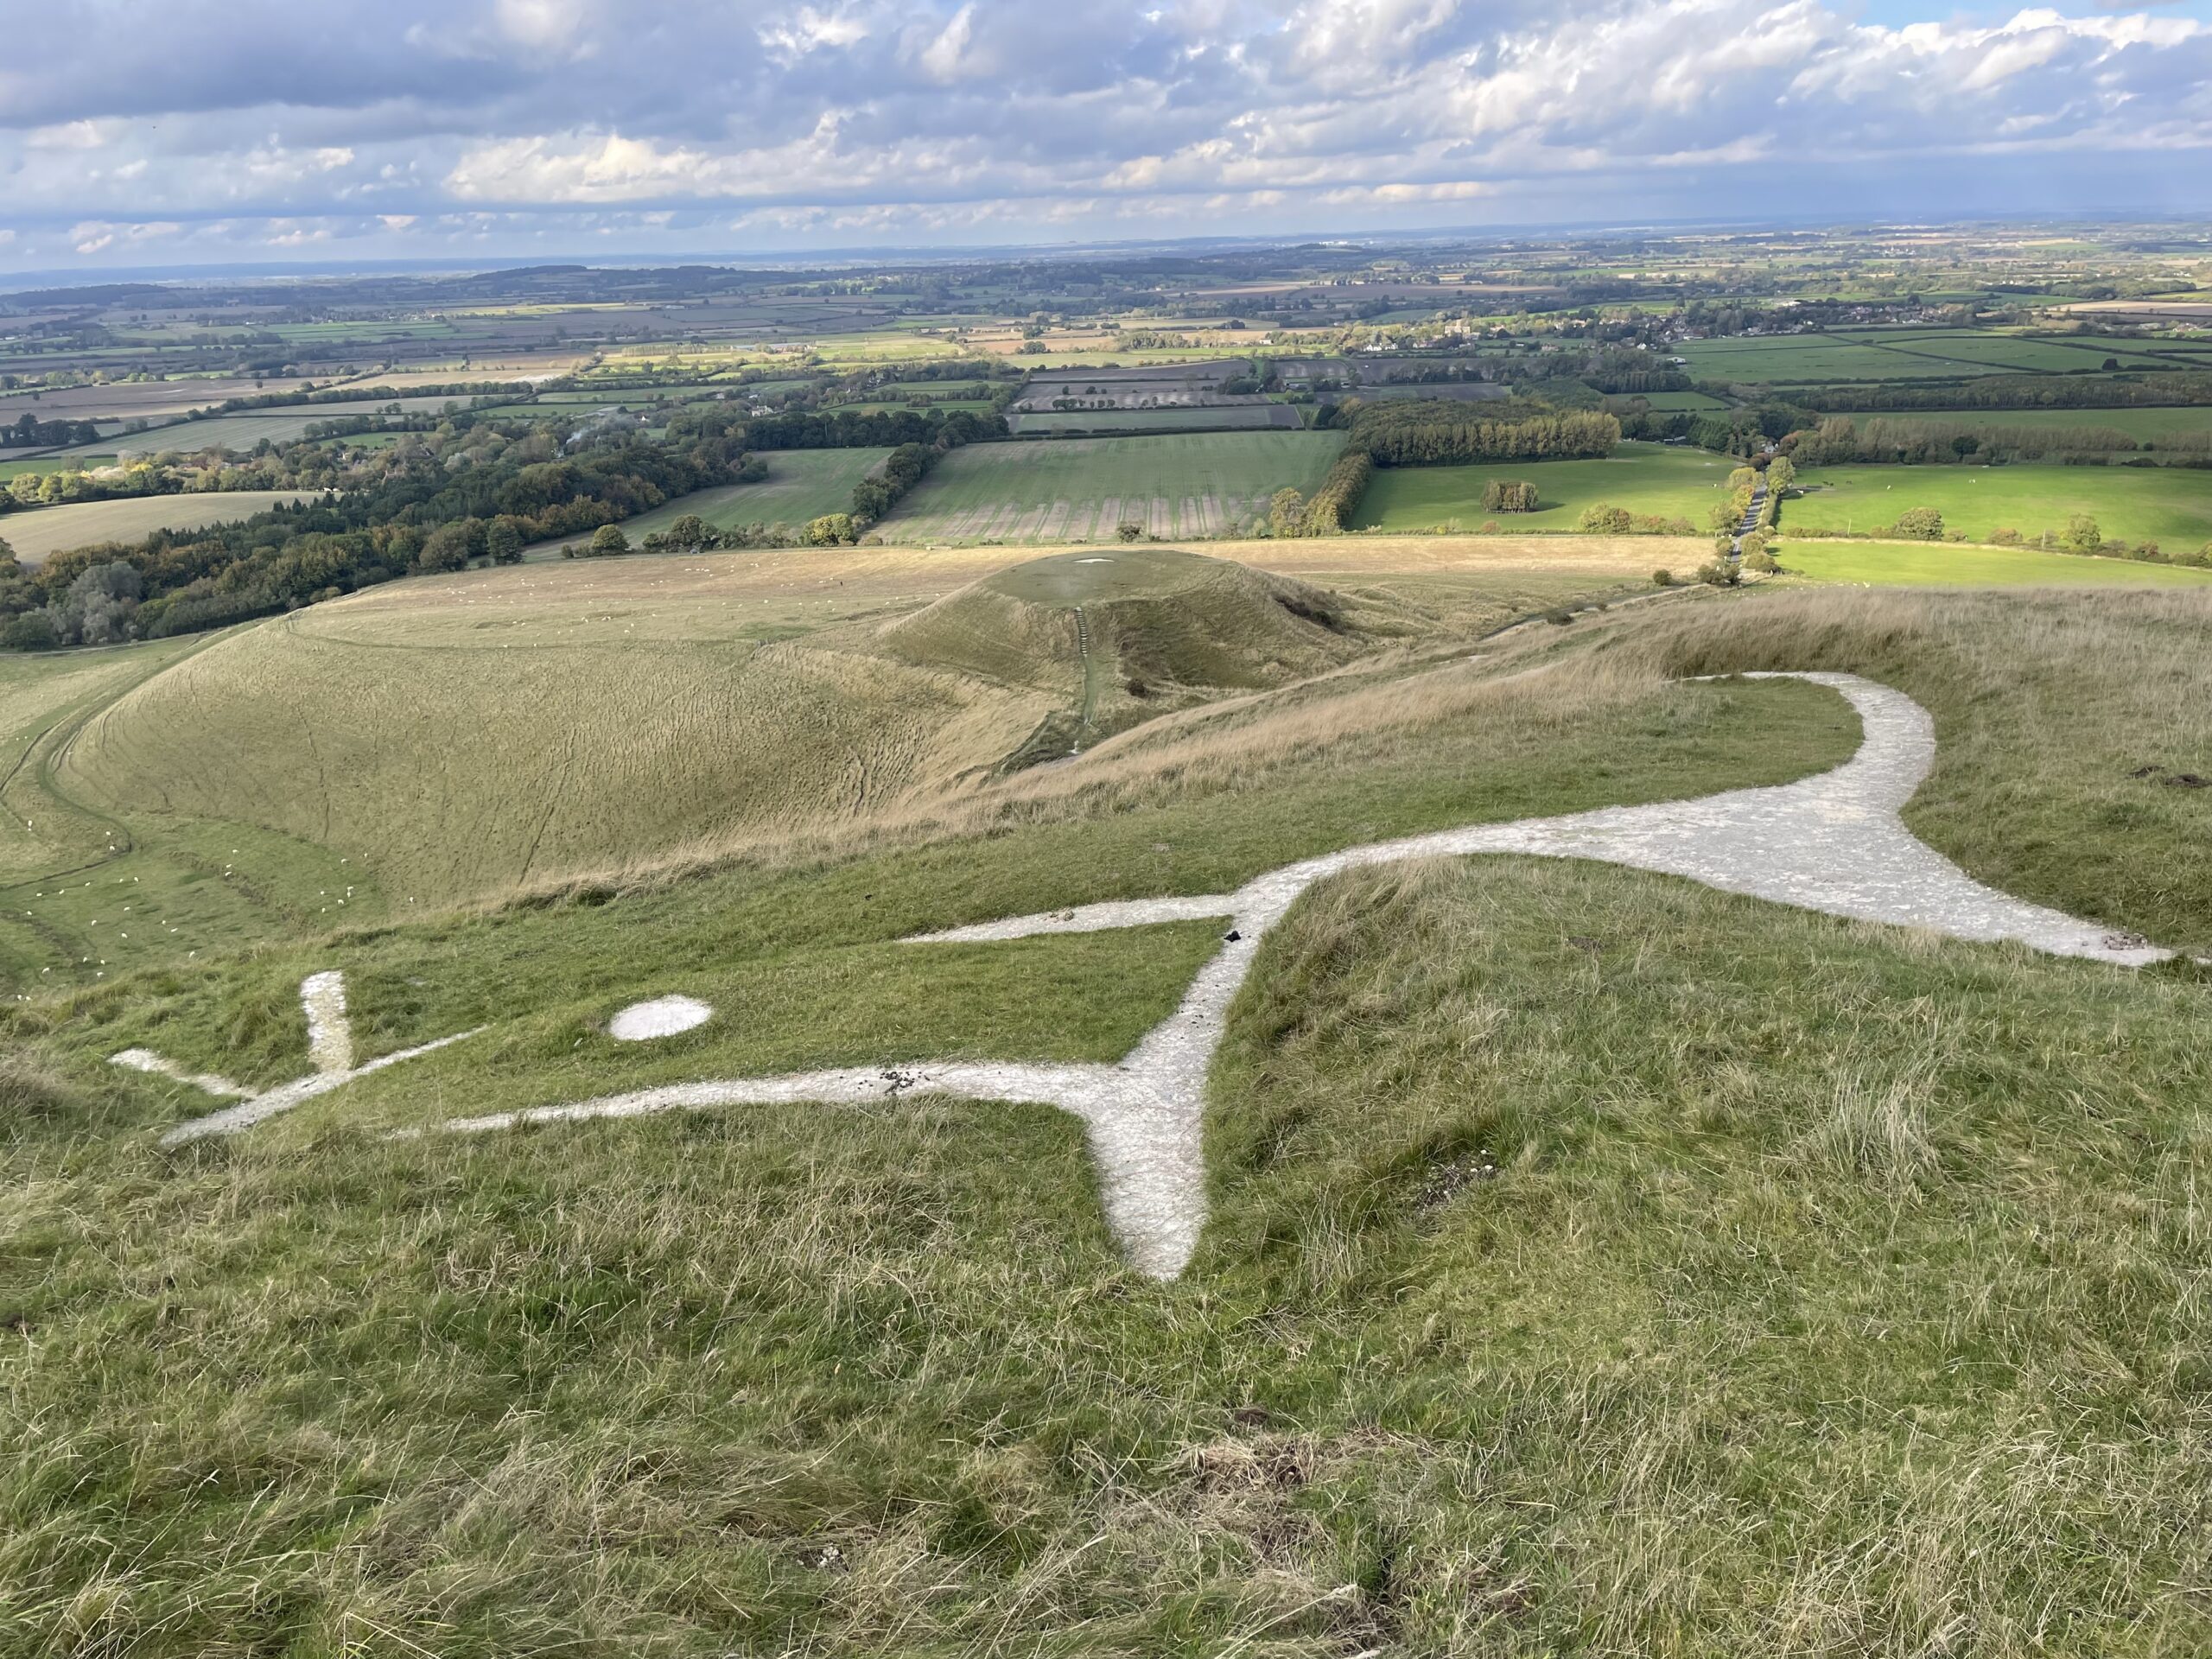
(1597, 1263)
(2066, 730)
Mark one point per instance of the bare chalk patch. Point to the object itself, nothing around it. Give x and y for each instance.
(664, 1016)
(330, 1033)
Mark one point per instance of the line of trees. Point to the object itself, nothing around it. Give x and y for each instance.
(1417, 433)
(28, 432)
(1602, 518)
(852, 429)
(902, 468)
(1336, 502)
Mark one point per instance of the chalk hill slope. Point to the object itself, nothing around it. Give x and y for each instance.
(497, 740)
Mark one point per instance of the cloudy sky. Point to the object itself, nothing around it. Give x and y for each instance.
(256, 130)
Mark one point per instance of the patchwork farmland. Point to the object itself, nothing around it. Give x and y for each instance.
(240, 433)
(1083, 489)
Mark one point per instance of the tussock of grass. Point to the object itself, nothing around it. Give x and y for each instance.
(1878, 1130)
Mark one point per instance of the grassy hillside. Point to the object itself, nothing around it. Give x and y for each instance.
(40, 533)
(1645, 478)
(84, 895)
(412, 758)
(1124, 635)
(2059, 718)
(642, 707)
(1081, 489)
(494, 641)
(1599, 1264)
(2171, 506)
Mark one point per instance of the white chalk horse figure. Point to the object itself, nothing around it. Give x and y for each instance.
(1832, 842)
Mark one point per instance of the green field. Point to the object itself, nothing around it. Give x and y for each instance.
(53, 464)
(38, 533)
(1885, 564)
(1080, 489)
(802, 484)
(1670, 481)
(240, 433)
(2138, 423)
(2171, 506)
(1898, 354)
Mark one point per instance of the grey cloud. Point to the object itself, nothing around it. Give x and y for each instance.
(907, 116)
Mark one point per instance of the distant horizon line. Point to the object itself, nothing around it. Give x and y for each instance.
(62, 278)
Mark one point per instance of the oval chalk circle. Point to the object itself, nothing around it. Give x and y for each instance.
(662, 1017)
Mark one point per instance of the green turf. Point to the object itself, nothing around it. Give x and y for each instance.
(1939, 565)
(459, 970)
(2169, 506)
(1645, 478)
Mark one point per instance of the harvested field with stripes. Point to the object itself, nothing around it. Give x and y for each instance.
(1083, 489)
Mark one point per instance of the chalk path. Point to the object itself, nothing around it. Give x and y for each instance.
(1833, 843)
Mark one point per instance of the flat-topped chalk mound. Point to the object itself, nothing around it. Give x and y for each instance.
(1128, 632)
(1097, 576)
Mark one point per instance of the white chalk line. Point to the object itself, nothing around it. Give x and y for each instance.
(1832, 843)
(330, 1050)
